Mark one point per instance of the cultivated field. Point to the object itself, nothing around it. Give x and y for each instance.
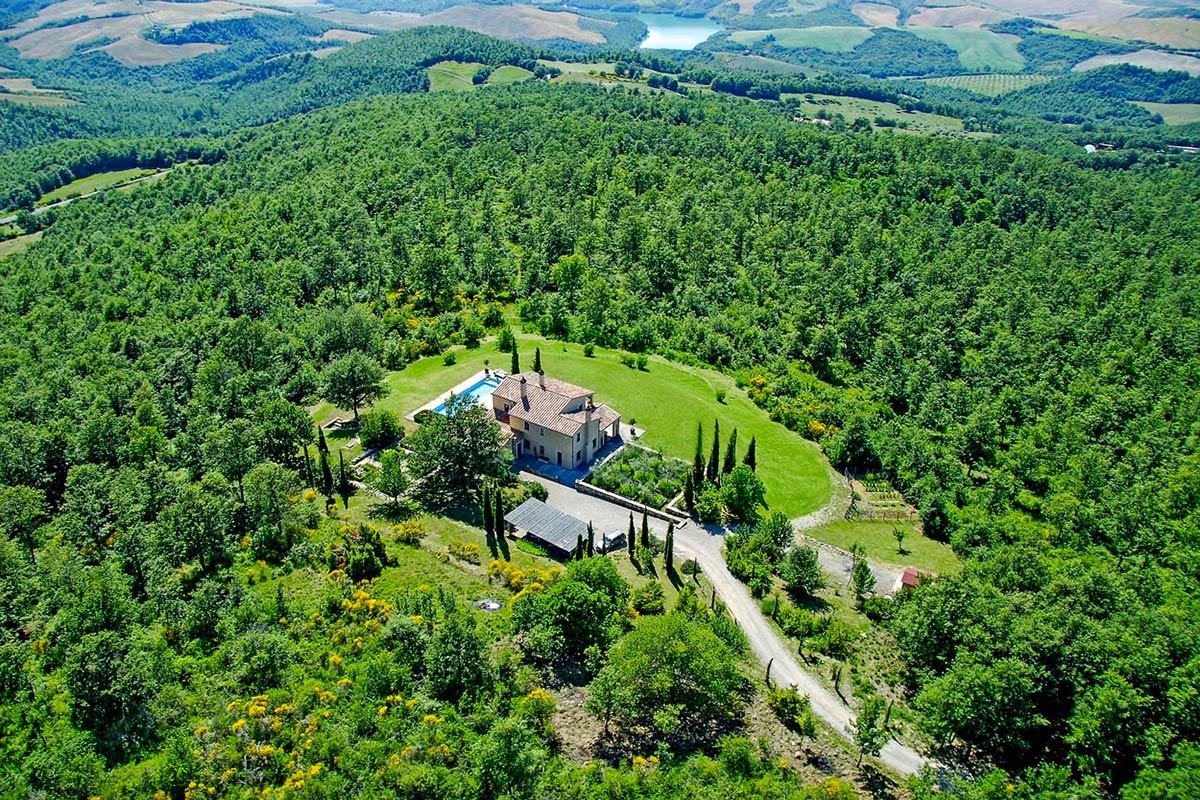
(830, 38)
(876, 15)
(341, 35)
(978, 49)
(41, 100)
(955, 17)
(1152, 59)
(990, 85)
(1174, 113)
(1166, 31)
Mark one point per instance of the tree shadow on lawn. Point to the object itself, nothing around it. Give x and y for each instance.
(393, 513)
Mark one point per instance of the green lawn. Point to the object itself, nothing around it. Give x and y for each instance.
(92, 183)
(667, 401)
(508, 74)
(977, 49)
(1174, 113)
(880, 545)
(825, 37)
(452, 76)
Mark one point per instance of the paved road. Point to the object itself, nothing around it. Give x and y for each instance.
(43, 209)
(704, 545)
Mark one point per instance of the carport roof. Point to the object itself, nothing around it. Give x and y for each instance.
(547, 524)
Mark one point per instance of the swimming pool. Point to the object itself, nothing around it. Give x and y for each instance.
(477, 392)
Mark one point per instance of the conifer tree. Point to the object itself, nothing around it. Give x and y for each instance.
(486, 502)
(537, 359)
(326, 472)
(631, 539)
(669, 548)
(345, 488)
(714, 460)
(498, 517)
(308, 471)
(579, 547)
(730, 453)
(645, 529)
(516, 360)
(591, 541)
(321, 444)
(689, 495)
(751, 459)
(698, 461)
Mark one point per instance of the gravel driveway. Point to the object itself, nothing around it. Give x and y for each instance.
(704, 545)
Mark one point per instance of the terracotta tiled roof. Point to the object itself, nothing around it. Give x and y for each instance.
(545, 407)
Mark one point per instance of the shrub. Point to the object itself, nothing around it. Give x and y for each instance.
(423, 416)
(721, 396)
(465, 551)
(589, 350)
(642, 361)
(409, 532)
(449, 359)
(648, 599)
(628, 360)
(379, 429)
(793, 709)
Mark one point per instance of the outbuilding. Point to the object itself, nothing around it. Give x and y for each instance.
(547, 527)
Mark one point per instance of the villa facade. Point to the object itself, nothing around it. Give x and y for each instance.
(555, 421)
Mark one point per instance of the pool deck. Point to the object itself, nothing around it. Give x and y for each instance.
(459, 388)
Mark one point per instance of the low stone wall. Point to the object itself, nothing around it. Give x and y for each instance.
(633, 505)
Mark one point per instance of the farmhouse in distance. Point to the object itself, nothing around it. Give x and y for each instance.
(553, 420)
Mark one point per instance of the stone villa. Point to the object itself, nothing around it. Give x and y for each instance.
(554, 421)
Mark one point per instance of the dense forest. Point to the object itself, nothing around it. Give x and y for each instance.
(1011, 339)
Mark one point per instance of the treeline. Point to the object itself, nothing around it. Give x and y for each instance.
(1053, 52)
(888, 52)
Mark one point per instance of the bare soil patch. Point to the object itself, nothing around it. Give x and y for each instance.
(1166, 31)
(956, 17)
(876, 15)
(342, 35)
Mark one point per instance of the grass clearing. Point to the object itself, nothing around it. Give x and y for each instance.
(38, 100)
(508, 74)
(990, 85)
(93, 183)
(18, 245)
(452, 76)
(917, 122)
(1174, 113)
(978, 49)
(880, 544)
(830, 38)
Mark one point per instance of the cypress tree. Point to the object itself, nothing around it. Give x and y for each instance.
(698, 461)
(689, 495)
(308, 472)
(326, 472)
(516, 359)
(714, 460)
(632, 537)
(488, 527)
(645, 529)
(669, 548)
(751, 459)
(579, 547)
(537, 359)
(730, 453)
(591, 542)
(345, 489)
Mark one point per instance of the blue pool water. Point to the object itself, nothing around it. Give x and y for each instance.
(477, 391)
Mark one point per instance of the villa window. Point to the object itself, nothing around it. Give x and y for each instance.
(541, 431)
(593, 442)
(526, 426)
(577, 436)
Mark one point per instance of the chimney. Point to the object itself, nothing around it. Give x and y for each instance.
(542, 378)
(587, 429)
(524, 398)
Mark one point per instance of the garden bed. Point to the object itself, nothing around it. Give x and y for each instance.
(643, 475)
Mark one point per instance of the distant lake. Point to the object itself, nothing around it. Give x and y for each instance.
(667, 31)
